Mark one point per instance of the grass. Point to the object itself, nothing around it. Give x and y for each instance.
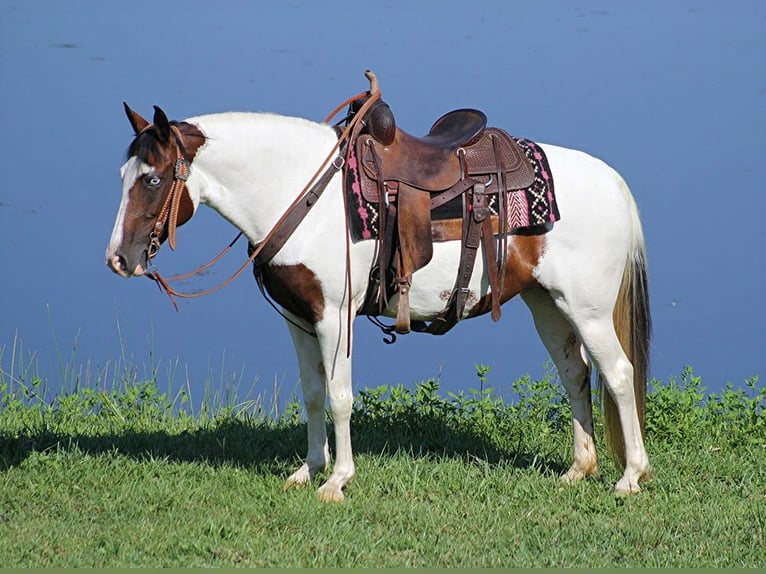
(131, 476)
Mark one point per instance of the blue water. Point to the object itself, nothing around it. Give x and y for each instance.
(672, 94)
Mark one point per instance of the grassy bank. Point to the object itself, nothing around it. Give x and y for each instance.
(128, 477)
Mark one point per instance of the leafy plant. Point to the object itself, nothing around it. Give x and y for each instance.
(674, 409)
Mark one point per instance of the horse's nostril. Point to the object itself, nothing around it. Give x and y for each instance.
(118, 264)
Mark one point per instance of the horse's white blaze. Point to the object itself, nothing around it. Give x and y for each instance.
(130, 171)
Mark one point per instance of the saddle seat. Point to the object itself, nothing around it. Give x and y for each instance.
(454, 129)
(430, 162)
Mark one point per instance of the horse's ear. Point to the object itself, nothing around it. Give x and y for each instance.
(136, 121)
(162, 124)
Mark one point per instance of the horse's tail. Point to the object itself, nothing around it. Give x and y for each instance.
(633, 324)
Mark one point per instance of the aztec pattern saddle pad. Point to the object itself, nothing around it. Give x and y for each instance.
(533, 206)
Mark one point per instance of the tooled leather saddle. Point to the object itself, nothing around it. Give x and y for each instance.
(408, 177)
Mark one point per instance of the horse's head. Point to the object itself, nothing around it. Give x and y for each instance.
(155, 199)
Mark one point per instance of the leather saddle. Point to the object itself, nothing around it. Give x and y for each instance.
(409, 176)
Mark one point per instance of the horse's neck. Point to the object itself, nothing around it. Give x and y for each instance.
(254, 165)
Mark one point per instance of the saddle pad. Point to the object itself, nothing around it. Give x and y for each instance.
(532, 206)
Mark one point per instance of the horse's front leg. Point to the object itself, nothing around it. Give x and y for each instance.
(313, 388)
(325, 369)
(337, 372)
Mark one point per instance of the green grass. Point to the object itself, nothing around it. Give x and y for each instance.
(131, 476)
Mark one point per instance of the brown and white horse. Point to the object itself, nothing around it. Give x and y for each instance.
(584, 281)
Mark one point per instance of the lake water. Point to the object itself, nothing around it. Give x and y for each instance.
(671, 94)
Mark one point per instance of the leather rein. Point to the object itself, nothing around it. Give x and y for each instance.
(273, 241)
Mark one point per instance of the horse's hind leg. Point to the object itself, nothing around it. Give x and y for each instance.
(564, 346)
(603, 346)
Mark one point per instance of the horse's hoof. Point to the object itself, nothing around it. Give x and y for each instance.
(626, 487)
(628, 484)
(577, 473)
(299, 478)
(329, 493)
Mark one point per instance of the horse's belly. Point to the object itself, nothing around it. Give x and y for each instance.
(432, 286)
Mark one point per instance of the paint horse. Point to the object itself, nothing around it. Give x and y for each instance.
(583, 277)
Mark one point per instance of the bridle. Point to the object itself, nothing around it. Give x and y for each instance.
(168, 215)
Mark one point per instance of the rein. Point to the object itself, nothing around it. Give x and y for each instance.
(282, 229)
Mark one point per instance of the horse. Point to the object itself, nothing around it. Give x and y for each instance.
(584, 279)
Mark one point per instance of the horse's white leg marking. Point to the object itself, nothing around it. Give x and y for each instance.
(562, 343)
(337, 370)
(313, 387)
(603, 346)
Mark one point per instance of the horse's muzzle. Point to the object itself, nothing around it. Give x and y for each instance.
(119, 265)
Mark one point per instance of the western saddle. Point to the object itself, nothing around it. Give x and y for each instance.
(407, 177)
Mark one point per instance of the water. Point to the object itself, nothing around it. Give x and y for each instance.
(673, 95)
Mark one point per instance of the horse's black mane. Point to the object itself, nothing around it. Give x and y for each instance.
(143, 145)
(147, 143)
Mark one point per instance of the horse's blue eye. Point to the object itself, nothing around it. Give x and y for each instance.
(153, 181)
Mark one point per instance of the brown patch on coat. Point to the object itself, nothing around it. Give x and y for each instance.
(297, 289)
(524, 253)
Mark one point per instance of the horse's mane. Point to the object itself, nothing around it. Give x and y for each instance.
(147, 144)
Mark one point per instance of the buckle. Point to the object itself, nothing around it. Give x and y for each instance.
(154, 246)
(181, 169)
